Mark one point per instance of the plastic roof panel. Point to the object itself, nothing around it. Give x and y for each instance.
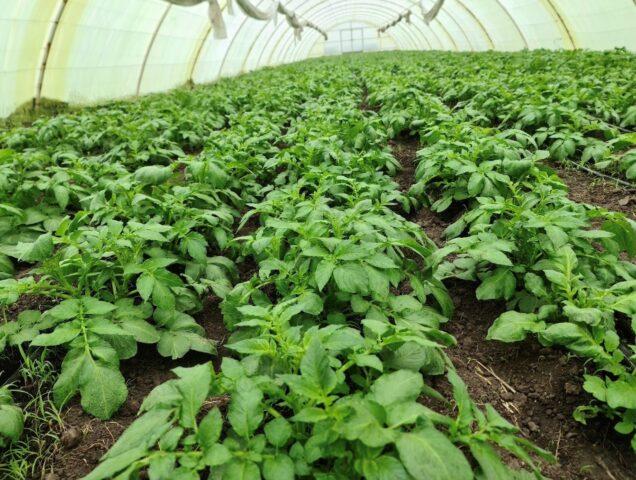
(168, 63)
(24, 27)
(82, 51)
(98, 49)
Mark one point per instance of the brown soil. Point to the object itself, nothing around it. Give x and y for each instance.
(433, 225)
(143, 373)
(536, 389)
(405, 149)
(586, 188)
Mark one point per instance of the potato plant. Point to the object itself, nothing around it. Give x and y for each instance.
(121, 219)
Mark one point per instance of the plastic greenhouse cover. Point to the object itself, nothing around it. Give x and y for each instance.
(83, 51)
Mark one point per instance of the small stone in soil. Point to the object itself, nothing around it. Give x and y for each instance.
(71, 438)
(507, 396)
(572, 388)
(533, 427)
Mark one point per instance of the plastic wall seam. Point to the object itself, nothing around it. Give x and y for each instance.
(481, 25)
(460, 28)
(197, 53)
(560, 22)
(149, 49)
(515, 23)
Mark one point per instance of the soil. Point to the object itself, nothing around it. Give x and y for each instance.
(536, 389)
(586, 188)
(433, 225)
(405, 149)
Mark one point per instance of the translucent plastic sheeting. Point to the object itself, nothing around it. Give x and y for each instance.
(82, 51)
(23, 28)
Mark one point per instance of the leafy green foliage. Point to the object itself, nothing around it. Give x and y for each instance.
(126, 216)
(11, 418)
(563, 268)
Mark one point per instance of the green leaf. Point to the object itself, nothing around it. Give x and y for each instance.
(315, 367)
(68, 382)
(152, 174)
(535, 285)
(476, 183)
(351, 278)
(397, 387)
(499, 284)
(11, 423)
(242, 470)
(61, 195)
(380, 260)
(216, 455)
(37, 251)
(194, 385)
(144, 432)
(103, 326)
(622, 393)
(371, 361)
(365, 424)
(251, 346)
(103, 389)
(210, 428)
(61, 335)
(490, 463)
(514, 326)
(162, 296)
(162, 468)
(246, 412)
(280, 467)
(65, 310)
(595, 386)
(196, 246)
(310, 415)
(383, 467)
(427, 454)
(143, 331)
(589, 316)
(557, 236)
(92, 306)
(112, 465)
(278, 432)
(495, 256)
(624, 231)
(174, 344)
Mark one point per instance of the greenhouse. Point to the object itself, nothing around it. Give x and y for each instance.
(317, 239)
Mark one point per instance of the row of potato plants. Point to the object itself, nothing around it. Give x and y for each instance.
(126, 236)
(563, 268)
(329, 358)
(578, 106)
